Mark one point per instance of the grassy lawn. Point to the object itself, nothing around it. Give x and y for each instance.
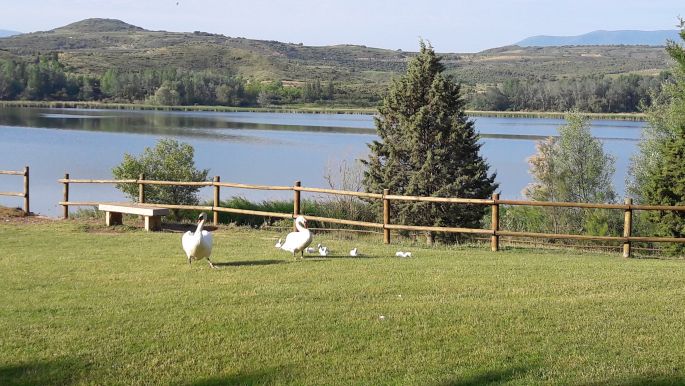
(84, 306)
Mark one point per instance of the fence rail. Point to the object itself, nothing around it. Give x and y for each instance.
(494, 232)
(25, 194)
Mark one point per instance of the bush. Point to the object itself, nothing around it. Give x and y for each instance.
(169, 160)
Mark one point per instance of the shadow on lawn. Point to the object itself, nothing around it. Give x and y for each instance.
(491, 377)
(249, 263)
(321, 258)
(496, 377)
(59, 372)
(254, 378)
(183, 228)
(654, 380)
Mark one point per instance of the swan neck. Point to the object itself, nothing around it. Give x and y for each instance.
(198, 231)
(300, 227)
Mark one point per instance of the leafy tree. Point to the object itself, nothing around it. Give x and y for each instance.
(169, 160)
(658, 171)
(428, 147)
(167, 94)
(572, 167)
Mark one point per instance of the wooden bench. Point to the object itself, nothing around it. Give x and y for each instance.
(153, 215)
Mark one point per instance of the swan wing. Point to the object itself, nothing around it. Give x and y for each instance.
(290, 243)
(204, 248)
(188, 243)
(297, 241)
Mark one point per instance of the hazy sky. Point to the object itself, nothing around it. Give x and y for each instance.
(451, 26)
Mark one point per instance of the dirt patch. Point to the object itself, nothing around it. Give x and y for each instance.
(17, 216)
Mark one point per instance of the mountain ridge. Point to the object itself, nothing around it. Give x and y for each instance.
(6, 33)
(603, 37)
(92, 46)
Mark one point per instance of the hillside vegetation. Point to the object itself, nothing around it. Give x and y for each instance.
(92, 47)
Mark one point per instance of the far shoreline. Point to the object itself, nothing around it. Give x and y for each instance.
(298, 109)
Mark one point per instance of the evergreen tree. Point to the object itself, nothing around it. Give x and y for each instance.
(659, 170)
(428, 147)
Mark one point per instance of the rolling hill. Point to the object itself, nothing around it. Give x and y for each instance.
(94, 45)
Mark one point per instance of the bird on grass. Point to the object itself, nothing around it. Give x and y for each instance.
(279, 243)
(402, 254)
(323, 251)
(296, 242)
(198, 244)
(354, 252)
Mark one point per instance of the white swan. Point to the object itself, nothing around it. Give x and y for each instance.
(297, 241)
(402, 254)
(198, 245)
(354, 252)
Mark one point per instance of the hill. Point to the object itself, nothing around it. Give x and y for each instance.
(92, 46)
(601, 37)
(110, 60)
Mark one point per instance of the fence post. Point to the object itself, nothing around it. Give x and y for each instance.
(627, 226)
(494, 239)
(141, 189)
(65, 197)
(386, 216)
(296, 201)
(217, 199)
(26, 190)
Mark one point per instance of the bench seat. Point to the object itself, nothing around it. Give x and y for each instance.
(153, 215)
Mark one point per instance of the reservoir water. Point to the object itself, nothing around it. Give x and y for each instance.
(259, 148)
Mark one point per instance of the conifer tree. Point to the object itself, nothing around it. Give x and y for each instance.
(659, 170)
(428, 147)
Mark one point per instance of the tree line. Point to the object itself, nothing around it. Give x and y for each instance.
(45, 78)
(591, 94)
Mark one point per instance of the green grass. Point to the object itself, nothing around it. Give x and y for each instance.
(83, 305)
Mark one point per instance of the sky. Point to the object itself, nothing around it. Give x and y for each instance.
(450, 26)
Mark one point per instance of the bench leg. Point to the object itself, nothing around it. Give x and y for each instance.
(153, 223)
(113, 218)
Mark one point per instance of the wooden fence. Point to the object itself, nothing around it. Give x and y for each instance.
(494, 232)
(25, 193)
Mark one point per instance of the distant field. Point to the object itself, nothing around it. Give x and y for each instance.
(87, 305)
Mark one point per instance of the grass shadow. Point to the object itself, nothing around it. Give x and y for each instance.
(655, 380)
(491, 377)
(254, 378)
(183, 228)
(59, 372)
(362, 257)
(249, 263)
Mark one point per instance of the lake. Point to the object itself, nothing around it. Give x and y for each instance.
(259, 148)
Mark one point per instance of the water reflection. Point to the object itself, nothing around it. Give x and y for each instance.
(261, 148)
